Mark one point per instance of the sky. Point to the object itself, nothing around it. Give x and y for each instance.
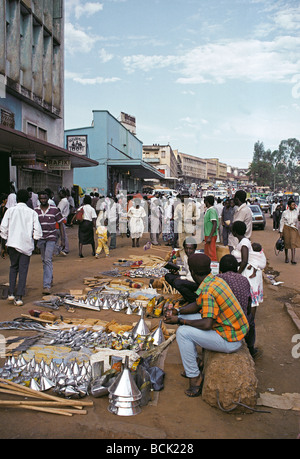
(208, 77)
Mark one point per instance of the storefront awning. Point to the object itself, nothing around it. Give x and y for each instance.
(136, 168)
(13, 141)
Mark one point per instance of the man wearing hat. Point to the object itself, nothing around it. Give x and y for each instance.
(215, 321)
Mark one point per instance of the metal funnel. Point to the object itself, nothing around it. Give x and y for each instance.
(132, 411)
(141, 327)
(124, 385)
(157, 335)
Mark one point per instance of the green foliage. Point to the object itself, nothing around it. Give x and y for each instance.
(277, 169)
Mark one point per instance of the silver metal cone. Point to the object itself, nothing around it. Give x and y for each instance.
(132, 411)
(105, 304)
(157, 335)
(129, 310)
(141, 327)
(46, 384)
(124, 385)
(34, 385)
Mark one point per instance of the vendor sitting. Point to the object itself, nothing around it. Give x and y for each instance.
(215, 321)
(185, 284)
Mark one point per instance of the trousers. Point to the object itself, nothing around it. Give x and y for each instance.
(188, 338)
(19, 264)
(47, 249)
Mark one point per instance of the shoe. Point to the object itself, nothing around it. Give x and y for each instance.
(11, 297)
(63, 253)
(18, 302)
(96, 256)
(47, 291)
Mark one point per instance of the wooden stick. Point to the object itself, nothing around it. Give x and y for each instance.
(14, 392)
(35, 403)
(31, 392)
(46, 410)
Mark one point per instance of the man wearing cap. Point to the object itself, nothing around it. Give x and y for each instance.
(215, 321)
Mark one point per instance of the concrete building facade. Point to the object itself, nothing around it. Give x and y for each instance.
(32, 96)
(119, 154)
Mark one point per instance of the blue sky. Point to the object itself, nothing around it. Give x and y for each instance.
(209, 77)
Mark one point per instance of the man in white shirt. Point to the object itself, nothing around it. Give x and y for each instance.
(242, 213)
(64, 208)
(20, 226)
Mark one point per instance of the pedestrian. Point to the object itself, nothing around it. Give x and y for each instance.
(247, 259)
(64, 208)
(289, 231)
(211, 222)
(102, 234)
(3, 209)
(19, 228)
(240, 286)
(112, 215)
(242, 213)
(275, 215)
(49, 217)
(226, 219)
(155, 221)
(136, 214)
(215, 321)
(87, 225)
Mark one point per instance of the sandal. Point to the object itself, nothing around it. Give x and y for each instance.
(193, 391)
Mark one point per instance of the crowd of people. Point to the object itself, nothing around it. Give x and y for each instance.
(219, 310)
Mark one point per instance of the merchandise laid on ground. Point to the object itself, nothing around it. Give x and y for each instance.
(67, 358)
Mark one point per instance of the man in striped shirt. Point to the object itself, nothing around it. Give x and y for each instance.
(215, 321)
(48, 216)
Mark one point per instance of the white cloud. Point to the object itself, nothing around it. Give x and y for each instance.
(87, 9)
(105, 56)
(96, 80)
(249, 60)
(77, 40)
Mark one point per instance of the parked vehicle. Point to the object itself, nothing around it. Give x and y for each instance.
(258, 217)
(265, 206)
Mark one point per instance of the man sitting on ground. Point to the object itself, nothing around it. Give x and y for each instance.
(215, 321)
(185, 284)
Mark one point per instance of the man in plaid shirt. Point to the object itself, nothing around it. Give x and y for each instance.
(215, 321)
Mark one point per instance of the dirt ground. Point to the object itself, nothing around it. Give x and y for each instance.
(175, 416)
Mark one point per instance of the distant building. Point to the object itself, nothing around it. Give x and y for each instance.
(118, 151)
(32, 97)
(191, 168)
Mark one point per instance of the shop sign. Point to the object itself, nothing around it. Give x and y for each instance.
(77, 144)
(23, 159)
(59, 164)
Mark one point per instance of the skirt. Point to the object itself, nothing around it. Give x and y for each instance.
(86, 232)
(291, 237)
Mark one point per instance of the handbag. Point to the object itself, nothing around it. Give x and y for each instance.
(79, 215)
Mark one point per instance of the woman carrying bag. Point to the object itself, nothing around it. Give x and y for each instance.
(289, 231)
(86, 217)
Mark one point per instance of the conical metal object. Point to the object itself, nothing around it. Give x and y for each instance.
(124, 385)
(141, 327)
(105, 304)
(129, 310)
(132, 411)
(157, 335)
(34, 385)
(46, 384)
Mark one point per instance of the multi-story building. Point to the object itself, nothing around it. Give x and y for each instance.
(32, 97)
(118, 151)
(192, 169)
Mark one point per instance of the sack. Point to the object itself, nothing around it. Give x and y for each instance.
(79, 215)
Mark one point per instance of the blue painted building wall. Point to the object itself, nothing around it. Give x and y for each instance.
(107, 139)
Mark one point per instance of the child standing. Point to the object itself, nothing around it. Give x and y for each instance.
(102, 234)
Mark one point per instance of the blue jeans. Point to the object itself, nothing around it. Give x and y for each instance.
(47, 249)
(189, 337)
